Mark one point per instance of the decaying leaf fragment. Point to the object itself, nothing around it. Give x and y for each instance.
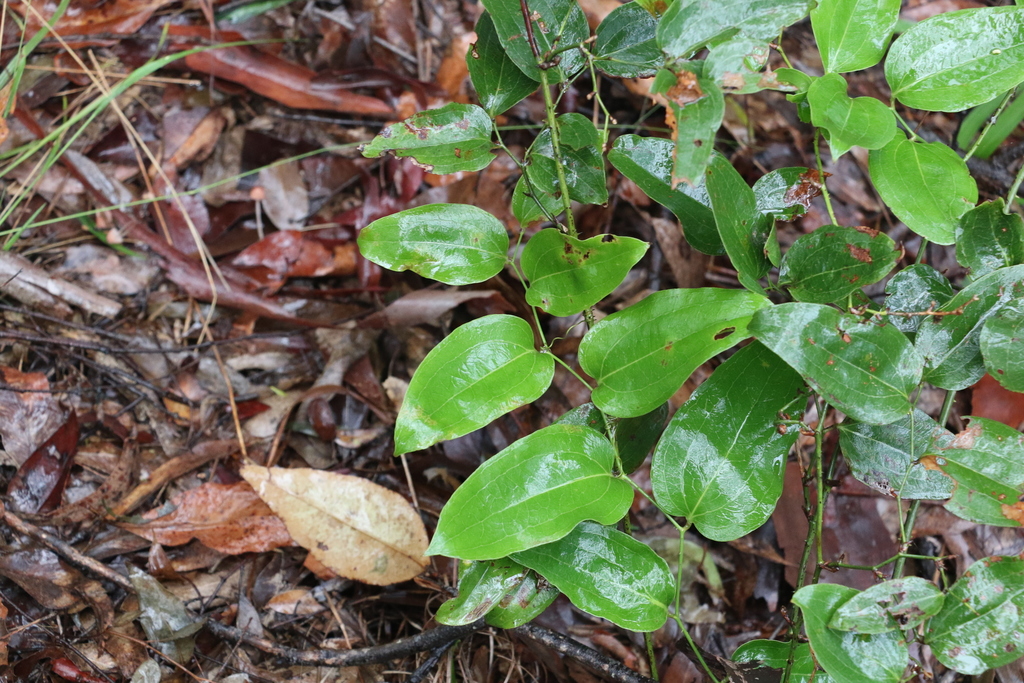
(357, 528)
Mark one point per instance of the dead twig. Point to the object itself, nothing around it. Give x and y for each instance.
(592, 659)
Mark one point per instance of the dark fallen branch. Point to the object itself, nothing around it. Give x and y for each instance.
(592, 659)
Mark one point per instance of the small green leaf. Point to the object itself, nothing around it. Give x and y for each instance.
(925, 184)
(568, 275)
(499, 83)
(529, 204)
(986, 464)
(1002, 348)
(608, 574)
(481, 586)
(720, 462)
(981, 621)
(697, 106)
(885, 457)
(950, 343)
(456, 137)
(896, 604)
(833, 262)
(479, 372)
(958, 60)
(456, 244)
(853, 34)
(586, 415)
(988, 239)
(862, 121)
(848, 657)
(633, 436)
(625, 45)
(741, 225)
(786, 193)
(865, 369)
(737, 65)
(533, 492)
(523, 603)
(774, 654)
(648, 163)
(581, 160)
(640, 356)
(555, 24)
(688, 26)
(914, 289)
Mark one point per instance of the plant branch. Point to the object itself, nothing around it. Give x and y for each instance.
(556, 149)
(593, 660)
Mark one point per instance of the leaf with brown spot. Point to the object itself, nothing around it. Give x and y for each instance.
(833, 262)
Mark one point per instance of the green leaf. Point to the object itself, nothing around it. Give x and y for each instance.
(833, 262)
(633, 436)
(986, 464)
(885, 457)
(625, 45)
(533, 492)
(980, 623)
(648, 163)
(925, 184)
(786, 193)
(865, 369)
(742, 227)
(1001, 346)
(914, 289)
(774, 654)
(957, 60)
(853, 34)
(862, 121)
(568, 275)
(555, 24)
(481, 586)
(523, 603)
(896, 604)
(641, 355)
(456, 137)
(529, 204)
(950, 343)
(696, 107)
(499, 83)
(688, 26)
(848, 657)
(737, 65)
(456, 244)
(608, 574)
(581, 159)
(479, 372)
(988, 239)
(720, 462)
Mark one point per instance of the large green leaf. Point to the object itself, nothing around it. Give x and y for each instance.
(853, 34)
(737, 66)
(950, 343)
(696, 106)
(688, 26)
(957, 60)
(865, 369)
(479, 372)
(775, 654)
(925, 184)
(848, 657)
(533, 492)
(640, 356)
(986, 464)
(625, 45)
(633, 436)
(456, 244)
(481, 586)
(901, 603)
(981, 621)
(456, 137)
(568, 275)
(743, 228)
(582, 162)
(833, 262)
(1002, 345)
(862, 121)
(555, 24)
(648, 163)
(915, 289)
(499, 83)
(720, 462)
(988, 239)
(885, 457)
(607, 573)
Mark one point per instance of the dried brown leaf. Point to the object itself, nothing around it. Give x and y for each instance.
(29, 414)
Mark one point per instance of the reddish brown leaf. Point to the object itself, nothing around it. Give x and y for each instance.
(29, 414)
(289, 253)
(39, 484)
(87, 17)
(989, 399)
(808, 187)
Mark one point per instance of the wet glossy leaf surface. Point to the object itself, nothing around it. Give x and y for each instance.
(482, 370)
(40, 482)
(853, 34)
(556, 24)
(524, 602)
(530, 204)
(608, 574)
(625, 45)
(456, 137)
(633, 436)
(774, 654)
(988, 239)
(582, 162)
(926, 184)
(885, 457)
(568, 275)
(1002, 346)
(896, 604)
(720, 462)
(737, 65)
(986, 464)
(696, 106)
(832, 262)
(481, 586)
(648, 163)
(688, 26)
(865, 369)
(742, 227)
(848, 657)
(957, 60)
(786, 193)
(950, 344)
(533, 492)
(641, 355)
(861, 121)
(916, 288)
(499, 83)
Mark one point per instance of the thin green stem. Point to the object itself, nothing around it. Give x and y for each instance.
(1011, 196)
(556, 148)
(649, 642)
(574, 373)
(821, 173)
(696, 652)
(820, 483)
(526, 179)
(988, 125)
(921, 250)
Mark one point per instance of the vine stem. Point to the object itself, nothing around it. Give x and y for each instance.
(821, 173)
(988, 125)
(556, 148)
(1011, 196)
